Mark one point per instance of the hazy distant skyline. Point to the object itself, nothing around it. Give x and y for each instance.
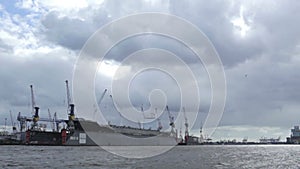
(258, 43)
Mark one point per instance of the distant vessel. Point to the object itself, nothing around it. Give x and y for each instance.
(295, 136)
(265, 140)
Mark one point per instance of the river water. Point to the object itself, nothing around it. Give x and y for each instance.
(206, 157)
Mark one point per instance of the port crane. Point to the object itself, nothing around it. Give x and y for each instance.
(35, 118)
(33, 104)
(159, 122)
(51, 121)
(201, 138)
(14, 128)
(180, 131)
(102, 96)
(70, 109)
(35, 110)
(171, 119)
(186, 124)
(147, 116)
(23, 119)
(99, 101)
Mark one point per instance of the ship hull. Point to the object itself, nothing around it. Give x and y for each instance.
(107, 136)
(89, 133)
(118, 139)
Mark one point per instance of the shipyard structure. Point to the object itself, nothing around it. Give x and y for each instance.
(78, 131)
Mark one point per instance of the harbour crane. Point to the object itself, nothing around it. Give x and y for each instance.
(35, 109)
(23, 121)
(149, 115)
(51, 121)
(186, 123)
(141, 124)
(99, 101)
(121, 117)
(14, 128)
(68, 94)
(159, 122)
(32, 99)
(70, 108)
(102, 96)
(171, 119)
(201, 138)
(57, 121)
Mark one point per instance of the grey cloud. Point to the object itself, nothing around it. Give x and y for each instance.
(65, 31)
(4, 47)
(261, 67)
(46, 74)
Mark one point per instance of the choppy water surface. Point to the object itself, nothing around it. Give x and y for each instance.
(253, 156)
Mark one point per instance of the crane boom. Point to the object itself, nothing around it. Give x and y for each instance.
(50, 120)
(102, 96)
(35, 110)
(12, 122)
(68, 94)
(71, 109)
(11, 118)
(159, 122)
(32, 99)
(56, 121)
(99, 101)
(171, 118)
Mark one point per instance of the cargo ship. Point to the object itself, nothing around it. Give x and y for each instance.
(79, 131)
(90, 133)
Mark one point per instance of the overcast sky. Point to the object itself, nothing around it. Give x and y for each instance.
(258, 43)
